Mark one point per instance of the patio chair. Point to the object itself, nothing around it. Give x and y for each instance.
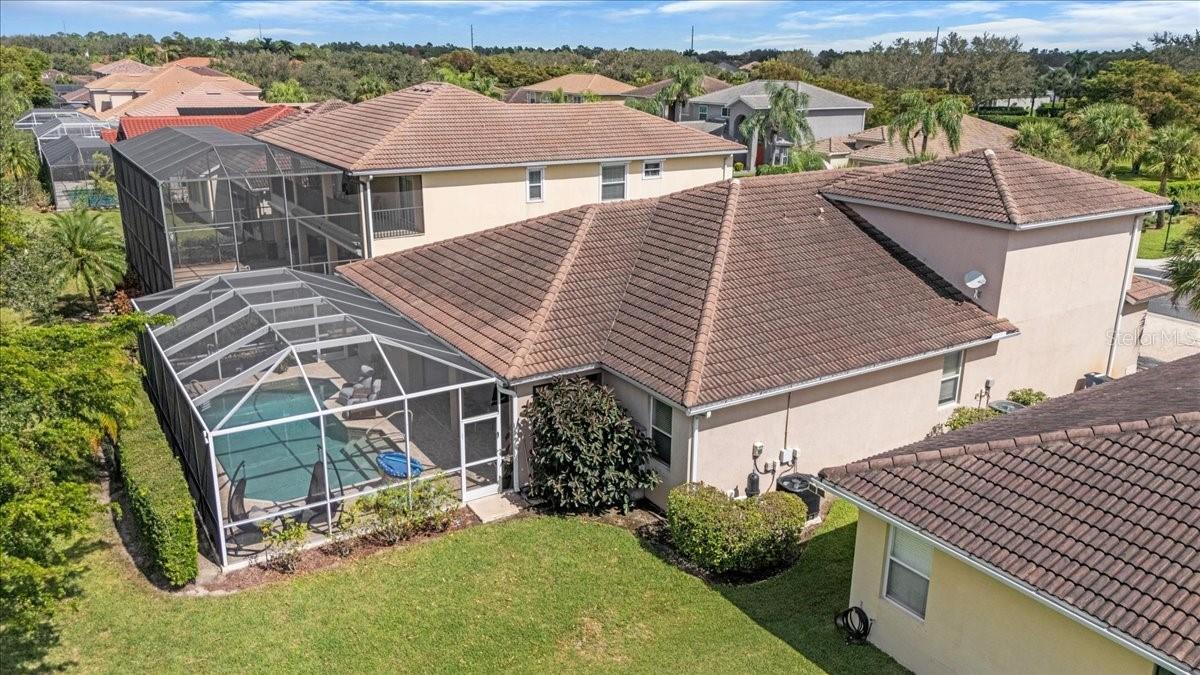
(359, 388)
(316, 494)
(363, 397)
(246, 533)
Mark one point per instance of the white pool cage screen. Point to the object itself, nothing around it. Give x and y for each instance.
(289, 393)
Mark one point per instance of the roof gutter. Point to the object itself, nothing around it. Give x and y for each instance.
(1057, 605)
(807, 384)
(468, 167)
(832, 194)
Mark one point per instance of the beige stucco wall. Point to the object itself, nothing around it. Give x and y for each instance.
(461, 202)
(834, 423)
(1129, 339)
(975, 624)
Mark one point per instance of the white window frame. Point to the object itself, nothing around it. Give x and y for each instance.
(669, 433)
(624, 181)
(661, 167)
(887, 570)
(725, 112)
(541, 184)
(702, 112)
(957, 375)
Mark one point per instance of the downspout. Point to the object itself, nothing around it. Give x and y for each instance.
(1129, 262)
(369, 212)
(694, 460)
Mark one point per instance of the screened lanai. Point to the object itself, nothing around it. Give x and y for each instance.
(289, 393)
(74, 163)
(201, 201)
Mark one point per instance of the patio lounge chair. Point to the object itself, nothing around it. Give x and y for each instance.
(364, 397)
(316, 494)
(246, 533)
(361, 387)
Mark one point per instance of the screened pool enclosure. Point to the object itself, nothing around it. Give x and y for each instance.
(202, 201)
(289, 393)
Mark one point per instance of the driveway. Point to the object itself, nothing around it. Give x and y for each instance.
(1162, 306)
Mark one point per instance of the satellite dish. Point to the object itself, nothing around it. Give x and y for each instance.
(974, 280)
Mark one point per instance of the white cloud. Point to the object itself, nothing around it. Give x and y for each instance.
(689, 6)
(489, 6)
(243, 34)
(764, 41)
(184, 12)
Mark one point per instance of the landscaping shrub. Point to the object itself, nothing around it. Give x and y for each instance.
(587, 454)
(963, 417)
(725, 535)
(1026, 396)
(396, 516)
(1012, 121)
(283, 544)
(158, 494)
(774, 169)
(738, 166)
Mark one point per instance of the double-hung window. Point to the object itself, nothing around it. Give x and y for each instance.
(652, 168)
(952, 366)
(612, 182)
(725, 113)
(535, 178)
(909, 566)
(660, 429)
(702, 111)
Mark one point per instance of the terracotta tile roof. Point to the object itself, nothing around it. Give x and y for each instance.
(1091, 499)
(976, 135)
(834, 145)
(1004, 187)
(704, 295)
(708, 84)
(578, 83)
(191, 62)
(121, 66)
(132, 127)
(171, 83)
(1142, 289)
(77, 95)
(440, 125)
(301, 113)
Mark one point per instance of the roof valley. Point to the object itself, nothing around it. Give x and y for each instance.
(556, 284)
(691, 388)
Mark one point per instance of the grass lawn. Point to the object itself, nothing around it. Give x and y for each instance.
(538, 593)
(1153, 241)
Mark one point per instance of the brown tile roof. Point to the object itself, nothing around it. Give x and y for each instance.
(440, 125)
(191, 62)
(201, 96)
(121, 66)
(1091, 499)
(305, 112)
(834, 145)
(1002, 187)
(1142, 289)
(708, 84)
(704, 295)
(578, 83)
(162, 83)
(976, 134)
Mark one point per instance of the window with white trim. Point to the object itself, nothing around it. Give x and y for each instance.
(952, 366)
(535, 177)
(725, 112)
(909, 567)
(652, 168)
(702, 112)
(660, 429)
(612, 182)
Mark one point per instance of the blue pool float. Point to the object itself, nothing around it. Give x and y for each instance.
(396, 464)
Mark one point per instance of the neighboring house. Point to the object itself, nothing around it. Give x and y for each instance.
(872, 146)
(171, 90)
(303, 111)
(437, 161)
(828, 113)
(122, 66)
(786, 323)
(132, 127)
(575, 85)
(1133, 322)
(675, 111)
(1063, 538)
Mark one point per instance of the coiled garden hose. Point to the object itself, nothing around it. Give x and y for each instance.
(854, 623)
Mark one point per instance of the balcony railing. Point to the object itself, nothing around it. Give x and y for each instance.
(403, 222)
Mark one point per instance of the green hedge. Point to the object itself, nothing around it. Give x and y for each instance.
(1012, 121)
(742, 536)
(158, 494)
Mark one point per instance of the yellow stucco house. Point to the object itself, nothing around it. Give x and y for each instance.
(1061, 538)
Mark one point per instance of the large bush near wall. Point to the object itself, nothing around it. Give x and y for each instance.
(158, 494)
(731, 536)
(587, 455)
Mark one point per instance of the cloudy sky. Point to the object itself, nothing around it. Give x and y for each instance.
(730, 25)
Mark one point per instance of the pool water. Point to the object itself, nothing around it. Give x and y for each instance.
(278, 460)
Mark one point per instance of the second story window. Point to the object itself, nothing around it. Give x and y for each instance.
(725, 113)
(612, 182)
(534, 179)
(952, 366)
(652, 168)
(702, 112)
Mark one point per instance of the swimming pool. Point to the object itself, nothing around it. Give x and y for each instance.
(278, 460)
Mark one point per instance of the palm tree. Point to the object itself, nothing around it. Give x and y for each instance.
(170, 51)
(1081, 65)
(785, 117)
(287, 91)
(482, 84)
(18, 158)
(91, 250)
(1173, 152)
(919, 116)
(1113, 131)
(687, 80)
(1183, 269)
(1041, 137)
(750, 129)
(147, 54)
(646, 105)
